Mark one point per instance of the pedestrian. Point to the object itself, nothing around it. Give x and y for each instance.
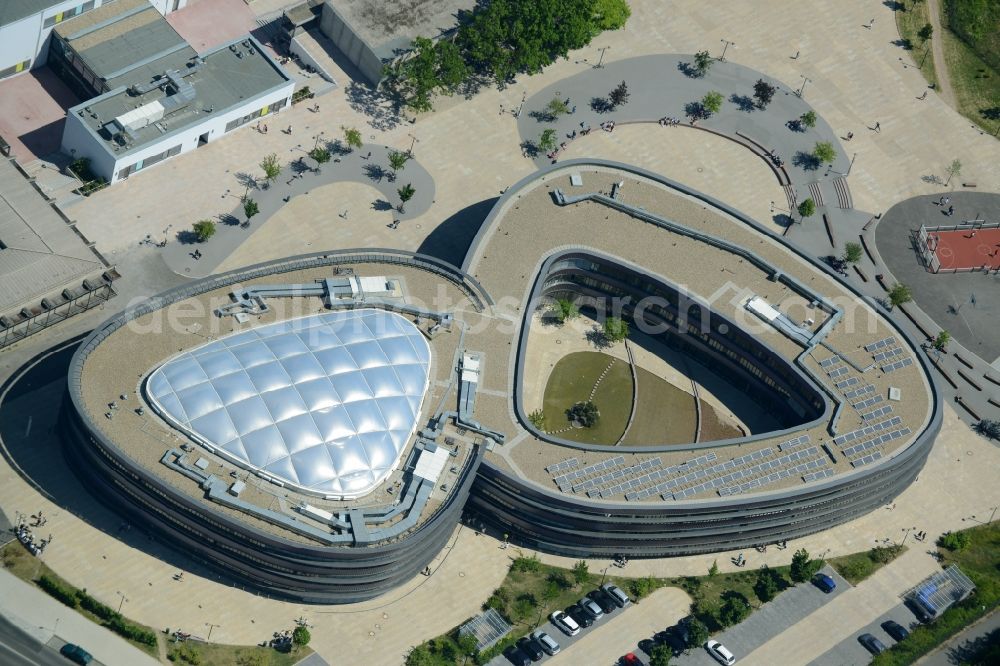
(573, 110)
(924, 96)
(850, 135)
(289, 129)
(265, 129)
(951, 211)
(871, 23)
(369, 155)
(878, 128)
(796, 56)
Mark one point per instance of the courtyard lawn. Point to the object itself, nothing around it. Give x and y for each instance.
(572, 380)
(665, 414)
(713, 428)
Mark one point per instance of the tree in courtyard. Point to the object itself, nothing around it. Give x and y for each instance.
(702, 62)
(697, 633)
(660, 655)
(352, 137)
(768, 584)
(250, 208)
(853, 253)
(953, 169)
(585, 413)
(824, 152)
(556, 107)
(808, 119)
(711, 103)
(925, 32)
(803, 568)
(565, 309)
(807, 208)
(581, 574)
(271, 167)
(467, 644)
(451, 68)
(713, 570)
(899, 294)
(537, 419)
(615, 329)
(619, 95)
(734, 609)
(397, 161)
(301, 636)
(763, 92)
(320, 155)
(405, 193)
(421, 656)
(610, 15)
(942, 340)
(203, 230)
(547, 141)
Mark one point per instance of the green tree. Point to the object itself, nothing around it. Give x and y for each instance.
(451, 68)
(640, 587)
(824, 152)
(352, 137)
(803, 568)
(320, 155)
(467, 644)
(584, 413)
(807, 208)
(565, 309)
(925, 32)
(899, 294)
(697, 633)
(271, 167)
(556, 107)
(526, 564)
(702, 62)
(942, 340)
(768, 584)
(421, 656)
(405, 193)
(735, 608)
(853, 253)
(615, 329)
(301, 636)
(560, 579)
(397, 161)
(808, 119)
(610, 15)
(711, 103)
(250, 208)
(204, 229)
(581, 573)
(953, 169)
(537, 419)
(763, 92)
(660, 655)
(525, 605)
(713, 570)
(954, 541)
(619, 95)
(547, 141)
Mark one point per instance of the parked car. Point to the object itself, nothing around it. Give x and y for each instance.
(824, 582)
(515, 656)
(721, 654)
(607, 605)
(896, 630)
(546, 642)
(582, 617)
(76, 654)
(530, 647)
(565, 623)
(630, 659)
(872, 644)
(617, 595)
(588, 606)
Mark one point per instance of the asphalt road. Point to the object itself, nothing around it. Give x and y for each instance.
(850, 652)
(18, 648)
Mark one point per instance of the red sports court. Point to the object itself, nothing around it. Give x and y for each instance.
(963, 247)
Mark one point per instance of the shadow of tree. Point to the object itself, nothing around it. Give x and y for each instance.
(374, 171)
(796, 125)
(299, 166)
(382, 111)
(695, 110)
(905, 44)
(529, 148)
(806, 161)
(338, 147)
(227, 219)
(783, 220)
(992, 113)
(688, 70)
(600, 105)
(542, 116)
(894, 6)
(246, 180)
(381, 205)
(596, 337)
(932, 179)
(743, 102)
(187, 237)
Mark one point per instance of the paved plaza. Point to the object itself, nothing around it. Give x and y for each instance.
(471, 151)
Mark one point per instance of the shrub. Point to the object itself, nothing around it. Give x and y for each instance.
(524, 606)
(131, 631)
(581, 573)
(954, 541)
(186, 653)
(808, 118)
(803, 568)
(615, 329)
(584, 413)
(884, 554)
(91, 604)
(735, 608)
(768, 584)
(204, 230)
(640, 587)
(59, 590)
(697, 632)
(526, 564)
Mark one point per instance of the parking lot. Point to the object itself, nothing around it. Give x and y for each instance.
(768, 621)
(850, 652)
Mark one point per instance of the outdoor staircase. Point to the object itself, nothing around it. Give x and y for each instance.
(843, 193)
(816, 192)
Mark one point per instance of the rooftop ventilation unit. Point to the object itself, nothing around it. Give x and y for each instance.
(138, 118)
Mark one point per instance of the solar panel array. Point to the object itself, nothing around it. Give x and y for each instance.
(779, 474)
(623, 476)
(565, 482)
(889, 353)
(881, 344)
(902, 363)
(858, 392)
(838, 372)
(874, 414)
(821, 474)
(663, 474)
(562, 466)
(876, 441)
(793, 443)
(870, 458)
(868, 402)
(830, 362)
(849, 437)
(721, 482)
(850, 381)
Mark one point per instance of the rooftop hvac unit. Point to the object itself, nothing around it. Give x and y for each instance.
(138, 118)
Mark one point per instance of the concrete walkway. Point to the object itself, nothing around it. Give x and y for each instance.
(937, 52)
(44, 617)
(299, 177)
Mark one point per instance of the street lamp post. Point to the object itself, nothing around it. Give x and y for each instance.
(412, 143)
(600, 62)
(805, 80)
(318, 137)
(906, 531)
(993, 514)
(524, 96)
(210, 628)
(605, 573)
(122, 602)
(722, 58)
(853, 157)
